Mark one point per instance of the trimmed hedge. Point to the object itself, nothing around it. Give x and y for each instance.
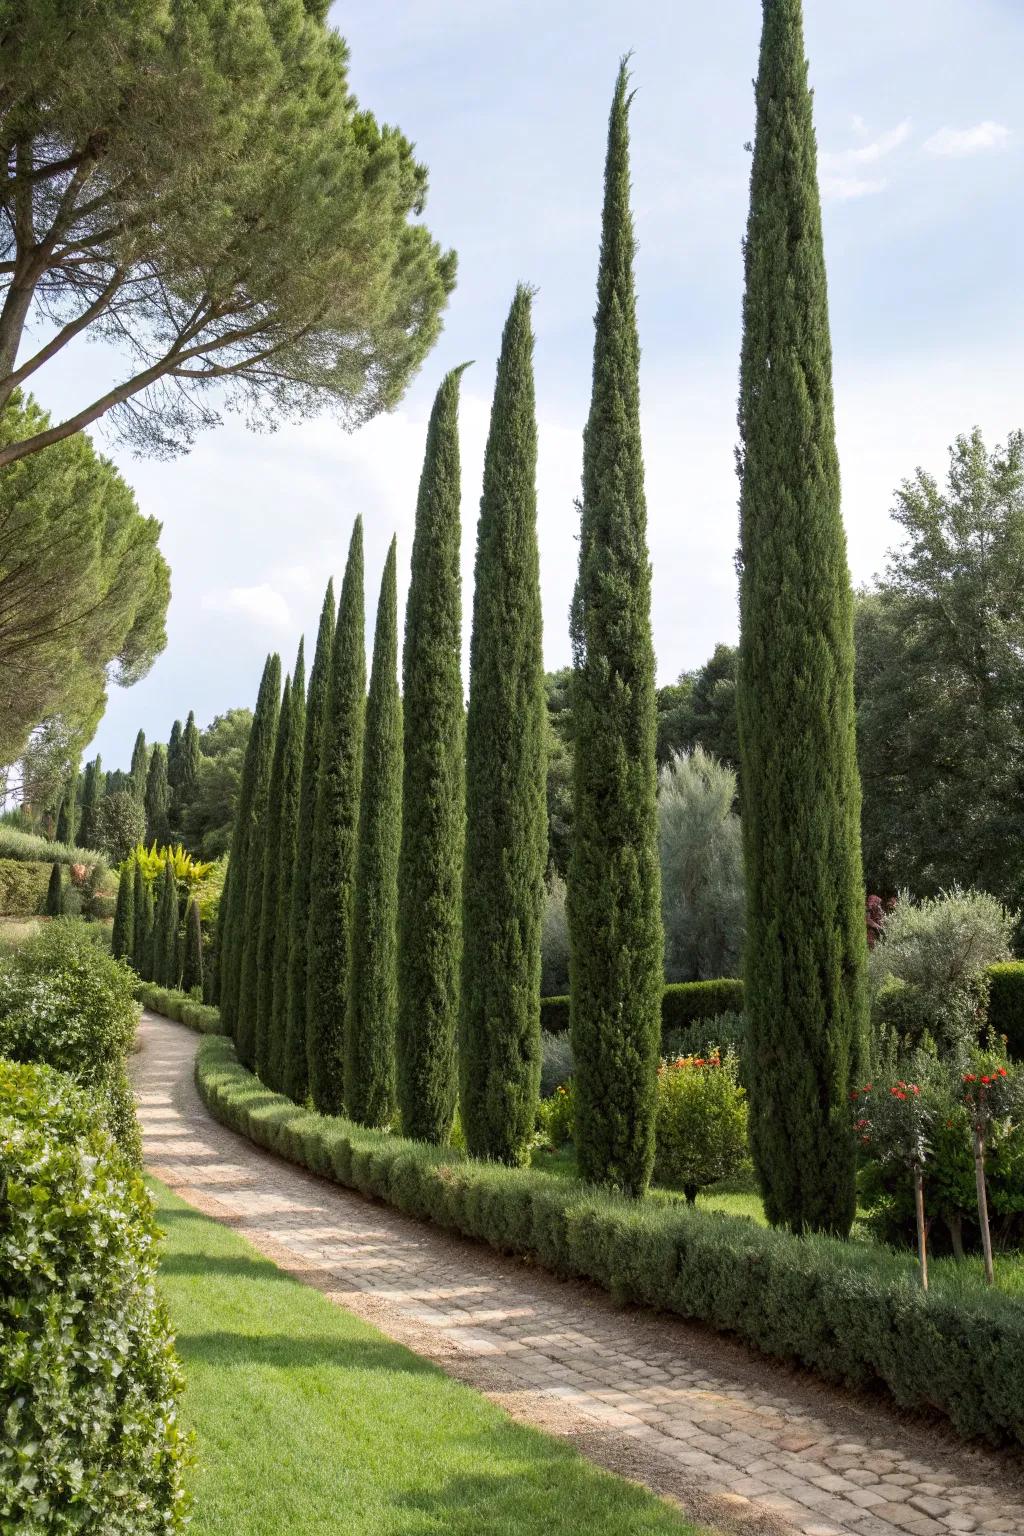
(681, 1003)
(23, 887)
(852, 1312)
(88, 1379)
(30, 847)
(1006, 1004)
(179, 1007)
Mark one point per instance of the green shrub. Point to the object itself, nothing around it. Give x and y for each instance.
(88, 1379)
(852, 1312)
(179, 1006)
(68, 1003)
(555, 1115)
(556, 1063)
(728, 1031)
(23, 887)
(29, 847)
(681, 1003)
(701, 1128)
(1006, 1004)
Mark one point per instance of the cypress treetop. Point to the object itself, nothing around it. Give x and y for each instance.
(92, 793)
(506, 790)
(122, 937)
(373, 994)
(291, 776)
(433, 791)
(257, 810)
(329, 940)
(158, 798)
(295, 1072)
(174, 755)
(264, 975)
(140, 767)
(614, 899)
(191, 757)
(805, 947)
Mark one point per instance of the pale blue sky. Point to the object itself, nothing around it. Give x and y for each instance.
(920, 129)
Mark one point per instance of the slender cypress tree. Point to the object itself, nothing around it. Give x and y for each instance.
(231, 919)
(147, 968)
(614, 882)
(92, 794)
(55, 893)
(165, 942)
(295, 1070)
(66, 817)
(140, 767)
(158, 798)
(373, 995)
(139, 916)
(291, 779)
(263, 1000)
(256, 853)
(192, 963)
(174, 756)
(433, 791)
(506, 787)
(122, 938)
(329, 941)
(805, 950)
(191, 757)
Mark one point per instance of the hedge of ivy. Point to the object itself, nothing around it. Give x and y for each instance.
(852, 1312)
(681, 1003)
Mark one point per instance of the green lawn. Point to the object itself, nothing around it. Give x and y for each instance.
(310, 1422)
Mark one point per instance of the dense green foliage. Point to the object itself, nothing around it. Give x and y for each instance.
(55, 893)
(506, 812)
(258, 812)
(295, 1068)
(1006, 1005)
(92, 788)
(279, 258)
(681, 1004)
(122, 938)
(140, 767)
(28, 846)
(192, 957)
(88, 1379)
(373, 993)
(701, 1127)
(291, 778)
(805, 947)
(701, 848)
(165, 936)
(700, 710)
(67, 817)
(614, 900)
(138, 917)
(23, 887)
(207, 817)
(335, 823)
(433, 791)
(261, 1000)
(119, 825)
(83, 588)
(231, 918)
(852, 1312)
(158, 798)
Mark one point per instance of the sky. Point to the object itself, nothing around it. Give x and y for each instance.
(921, 139)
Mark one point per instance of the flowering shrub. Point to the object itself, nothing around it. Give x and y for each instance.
(701, 1128)
(556, 1115)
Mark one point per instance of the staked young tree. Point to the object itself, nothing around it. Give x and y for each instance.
(158, 798)
(55, 893)
(256, 811)
(263, 1000)
(192, 961)
(140, 768)
(329, 941)
(805, 949)
(295, 1068)
(433, 791)
(506, 789)
(291, 780)
(614, 893)
(373, 994)
(122, 938)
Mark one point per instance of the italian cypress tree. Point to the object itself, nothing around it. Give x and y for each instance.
(255, 856)
(263, 1000)
(139, 916)
(174, 756)
(295, 1069)
(147, 948)
(191, 757)
(614, 897)
(433, 791)
(140, 767)
(67, 815)
(373, 994)
(165, 941)
(329, 941)
(92, 794)
(291, 780)
(122, 938)
(158, 798)
(55, 893)
(192, 962)
(506, 782)
(231, 919)
(805, 948)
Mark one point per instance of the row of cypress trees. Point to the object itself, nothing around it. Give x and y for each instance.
(148, 931)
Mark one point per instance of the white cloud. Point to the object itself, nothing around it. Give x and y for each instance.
(877, 149)
(262, 603)
(840, 180)
(842, 189)
(955, 143)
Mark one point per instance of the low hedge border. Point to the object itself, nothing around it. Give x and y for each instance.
(179, 1007)
(851, 1312)
(681, 1003)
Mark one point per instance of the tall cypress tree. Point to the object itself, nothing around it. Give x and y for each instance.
(231, 919)
(67, 815)
(54, 906)
(192, 962)
(805, 950)
(122, 938)
(139, 916)
(257, 808)
(614, 901)
(295, 1069)
(92, 794)
(191, 757)
(506, 786)
(329, 941)
(433, 791)
(291, 780)
(174, 756)
(373, 994)
(263, 999)
(140, 767)
(158, 798)
(165, 940)
(146, 954)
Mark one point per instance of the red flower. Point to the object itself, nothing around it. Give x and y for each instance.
(1002, 1071)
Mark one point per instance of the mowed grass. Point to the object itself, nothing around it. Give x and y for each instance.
(309, 1422)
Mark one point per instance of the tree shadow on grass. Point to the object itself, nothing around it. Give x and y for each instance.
(228, 1350)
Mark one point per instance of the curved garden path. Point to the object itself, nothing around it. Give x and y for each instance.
(737, 1440)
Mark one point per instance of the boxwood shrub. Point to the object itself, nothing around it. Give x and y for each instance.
(88, 1379)
(23, 887)
(681, 1003)
(179, 1006)
(852, 1312)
